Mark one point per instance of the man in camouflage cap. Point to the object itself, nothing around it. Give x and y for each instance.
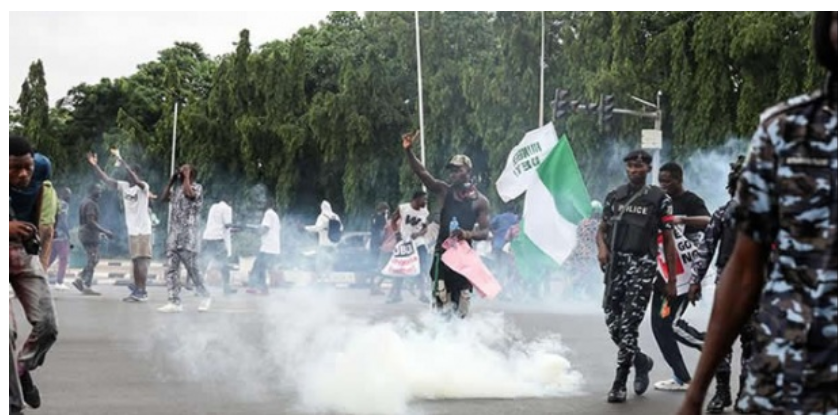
(788, 208)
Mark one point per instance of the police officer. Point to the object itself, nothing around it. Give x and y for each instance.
(721, 234)
(632, 216)
(786, 219)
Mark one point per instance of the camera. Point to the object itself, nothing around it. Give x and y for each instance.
(32, 245)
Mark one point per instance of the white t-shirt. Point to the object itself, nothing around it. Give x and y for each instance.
(220, 215)
(135, 200)
(412, 221)
(270, 239)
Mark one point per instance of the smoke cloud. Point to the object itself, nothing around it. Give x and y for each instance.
(335, 361)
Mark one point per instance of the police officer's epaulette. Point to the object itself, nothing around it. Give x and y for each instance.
(788, 106)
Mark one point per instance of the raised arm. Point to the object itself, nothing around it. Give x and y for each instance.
(167, 193)
(93, 160)
(434, 185)
(131, 174)
(188, 190)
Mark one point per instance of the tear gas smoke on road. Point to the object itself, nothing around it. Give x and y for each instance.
(334, 361)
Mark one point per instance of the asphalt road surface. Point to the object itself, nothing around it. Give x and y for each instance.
(117, 358)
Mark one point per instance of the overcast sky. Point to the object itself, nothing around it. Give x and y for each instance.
(81, 47)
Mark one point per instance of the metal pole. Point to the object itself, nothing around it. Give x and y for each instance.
(174, 147)
(421, 102)
(174, 140)
(656, 158)
(541, 64)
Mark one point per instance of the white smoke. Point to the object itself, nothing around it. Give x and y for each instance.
(332, 361)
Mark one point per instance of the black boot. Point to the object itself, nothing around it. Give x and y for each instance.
(722, 397)
(642, 366)
(31, 395)
(618, 389)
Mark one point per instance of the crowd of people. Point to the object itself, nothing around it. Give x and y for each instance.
(773, 243)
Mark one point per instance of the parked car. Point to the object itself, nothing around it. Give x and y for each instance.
(352, 254)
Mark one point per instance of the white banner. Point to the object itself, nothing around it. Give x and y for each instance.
(687, 253)
(523, 161)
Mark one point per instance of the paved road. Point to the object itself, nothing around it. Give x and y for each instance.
(335, 352)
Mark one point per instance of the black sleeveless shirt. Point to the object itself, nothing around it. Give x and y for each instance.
(464, 211)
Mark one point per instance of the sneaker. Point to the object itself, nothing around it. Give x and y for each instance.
(135, 298)
(671, 385)
(90, 292)
(205, 305)
(60, 286)
(31, 395)
(79, 284)
(170, 308)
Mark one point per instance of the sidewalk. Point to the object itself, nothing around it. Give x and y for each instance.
(118, 272)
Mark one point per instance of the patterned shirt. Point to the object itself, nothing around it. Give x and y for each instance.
(713, 236)
(586, 247)
(788, 201)
(183, 230)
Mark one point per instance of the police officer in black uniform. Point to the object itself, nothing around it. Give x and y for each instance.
(632, 216)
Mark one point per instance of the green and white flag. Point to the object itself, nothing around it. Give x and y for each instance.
(523, 162)
(557, 200)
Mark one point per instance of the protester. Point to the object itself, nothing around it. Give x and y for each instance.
(90, 232)
(668, 325)
(465, 216)
(61, 243)
(135, 200)
(182, 245)
(269, 250)
(27, 172)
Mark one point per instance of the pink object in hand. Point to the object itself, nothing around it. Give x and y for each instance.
(461, 258)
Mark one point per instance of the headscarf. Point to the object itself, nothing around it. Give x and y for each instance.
(326, 210)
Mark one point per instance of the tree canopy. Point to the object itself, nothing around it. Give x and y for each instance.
(320, 115)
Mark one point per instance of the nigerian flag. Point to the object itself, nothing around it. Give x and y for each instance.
(556, 201)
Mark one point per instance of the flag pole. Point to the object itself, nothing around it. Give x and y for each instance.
(541, 65)
(419, 77)
(174, 147)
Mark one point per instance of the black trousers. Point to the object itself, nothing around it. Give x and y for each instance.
(671, 329)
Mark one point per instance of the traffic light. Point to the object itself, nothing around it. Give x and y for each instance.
(561, 107)
(606, 112)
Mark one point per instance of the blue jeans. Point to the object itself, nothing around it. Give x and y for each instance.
(258, 274)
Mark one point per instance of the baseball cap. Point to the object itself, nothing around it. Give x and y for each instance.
(460, 160)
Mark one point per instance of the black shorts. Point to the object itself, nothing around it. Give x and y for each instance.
(454, 282)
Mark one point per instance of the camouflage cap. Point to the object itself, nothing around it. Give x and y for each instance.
(460, 160)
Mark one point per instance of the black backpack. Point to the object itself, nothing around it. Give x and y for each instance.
(334, 230)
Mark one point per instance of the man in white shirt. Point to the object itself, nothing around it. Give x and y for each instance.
(412, 223)
(135, 196)
(269, 250)
(217, 246)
